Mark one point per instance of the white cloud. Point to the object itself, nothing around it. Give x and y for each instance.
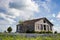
(6, 17)
(53, 15)
(29, 7)
(46, 7)
(58, 15)
(52, 20)
(24, 9)
(4, 4)
(56, 28)
(14, 12)
(24, 5)
(21, 13)
(4, 25)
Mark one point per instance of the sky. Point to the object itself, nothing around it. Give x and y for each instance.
(11, 11)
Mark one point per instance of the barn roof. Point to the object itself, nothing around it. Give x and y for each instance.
(35, 20)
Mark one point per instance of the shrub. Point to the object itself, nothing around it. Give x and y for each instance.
(9, 29)
(55, 32)
(42, 32)
(30, 31)
(5, 32)
(49, 32)
(45, 32)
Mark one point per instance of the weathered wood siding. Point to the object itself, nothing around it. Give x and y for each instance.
(41, 22)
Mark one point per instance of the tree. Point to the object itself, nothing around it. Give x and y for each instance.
(5, 31)
(9, 29)
(55, 32)
(20, 22)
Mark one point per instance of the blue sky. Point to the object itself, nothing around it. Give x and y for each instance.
(11, 11)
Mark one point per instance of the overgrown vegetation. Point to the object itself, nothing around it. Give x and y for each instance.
(5, 36)
(45, 32)
(39, 32)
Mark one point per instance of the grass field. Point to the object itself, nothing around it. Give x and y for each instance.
(5, 36)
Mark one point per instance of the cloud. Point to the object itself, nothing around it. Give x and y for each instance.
(21, 13)
(13, 9)
(4, 25)
(52, 20)
(4, 5)
(58, 15)
(19, 8)
(7, 17)
(24, 5)
(53, 15)
(23, 8)
(46, 7)
(56, 28)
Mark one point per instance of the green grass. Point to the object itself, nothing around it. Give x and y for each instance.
(18, 37)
